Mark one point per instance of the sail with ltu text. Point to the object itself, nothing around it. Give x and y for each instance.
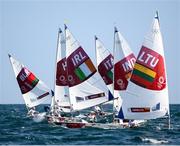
(147, 91)
(86, 87)
(61, 97)
(33, 90)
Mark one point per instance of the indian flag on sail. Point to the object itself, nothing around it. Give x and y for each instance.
(85, 70)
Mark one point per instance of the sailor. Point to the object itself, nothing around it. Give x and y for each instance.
(97, 109)
(32, 112)
(131, 124)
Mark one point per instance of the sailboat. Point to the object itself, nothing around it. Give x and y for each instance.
(124, 63)
(61, 100)
(147, 91)
(85, 88)
(34, 91)
(105, 64)
(124, 60)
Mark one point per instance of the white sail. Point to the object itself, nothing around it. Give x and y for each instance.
(86, 86)
(104, 60)
(33, 90)
(147, 92)
(124, 60)
(61, 96)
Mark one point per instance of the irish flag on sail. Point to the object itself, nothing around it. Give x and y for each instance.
(85, 70)
(80, 67)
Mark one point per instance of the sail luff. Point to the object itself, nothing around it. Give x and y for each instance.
(95, 38)
(53, 98)
(65, 35)
(61, 96)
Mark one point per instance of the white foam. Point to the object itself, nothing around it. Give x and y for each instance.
(154, 141)
(39, 117)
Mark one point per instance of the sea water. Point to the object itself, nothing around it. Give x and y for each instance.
(17, 128)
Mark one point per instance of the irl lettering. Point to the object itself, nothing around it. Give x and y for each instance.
(78, 58)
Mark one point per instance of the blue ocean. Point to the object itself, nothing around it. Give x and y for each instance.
(17, 128)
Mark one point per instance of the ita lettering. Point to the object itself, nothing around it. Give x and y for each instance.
(105, 69)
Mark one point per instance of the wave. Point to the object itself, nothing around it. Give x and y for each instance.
(154, 141)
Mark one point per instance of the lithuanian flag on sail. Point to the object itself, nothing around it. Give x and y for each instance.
(149, 70)
(26, 80)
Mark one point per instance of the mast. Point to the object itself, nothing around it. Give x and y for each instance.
(95, 37)
(53, 98)
(168, 112)
(115, 30)
(71, 109)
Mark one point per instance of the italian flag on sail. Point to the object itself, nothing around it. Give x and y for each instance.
(110, 74)
(105, 69)
(85, 70)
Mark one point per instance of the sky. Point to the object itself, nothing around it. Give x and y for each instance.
(28, 31)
